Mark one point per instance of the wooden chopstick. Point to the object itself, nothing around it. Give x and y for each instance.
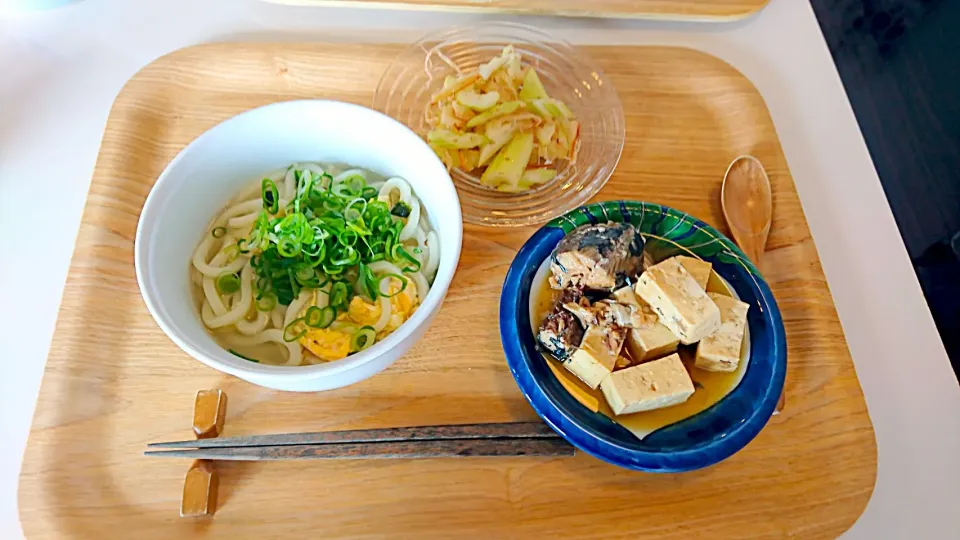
(506, 430)
(442, 448)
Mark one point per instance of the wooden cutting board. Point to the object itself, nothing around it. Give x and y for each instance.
(699, 10)
(114, 382)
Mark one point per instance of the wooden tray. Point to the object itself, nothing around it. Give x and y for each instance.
(699, 10)
(114, 382)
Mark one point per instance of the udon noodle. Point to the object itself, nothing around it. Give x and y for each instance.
(314, 263)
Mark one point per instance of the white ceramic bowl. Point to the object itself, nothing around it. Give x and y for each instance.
(203, 177)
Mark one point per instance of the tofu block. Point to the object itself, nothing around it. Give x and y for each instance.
(679, 301)
(653, 385)
(648, 343)
(626, 296)
(648, 340)
(700, 270)
(720, 351)
(597, 355)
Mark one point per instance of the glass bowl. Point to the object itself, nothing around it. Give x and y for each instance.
(567, 73)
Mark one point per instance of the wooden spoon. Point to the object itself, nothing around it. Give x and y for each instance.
(747, 205)
(748, 209)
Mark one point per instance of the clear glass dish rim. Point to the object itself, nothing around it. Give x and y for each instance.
(538, 38)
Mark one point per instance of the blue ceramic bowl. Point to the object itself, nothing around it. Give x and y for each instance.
(693, 443)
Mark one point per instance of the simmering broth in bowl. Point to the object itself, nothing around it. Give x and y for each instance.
(709, 386)
(313, 263)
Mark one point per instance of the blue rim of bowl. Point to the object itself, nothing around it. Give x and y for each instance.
(521, 352)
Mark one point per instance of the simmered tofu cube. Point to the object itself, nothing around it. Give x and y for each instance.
(720, 351)
(627, 297)
(653, 385)
(597, 355)
(700, 270)
(679, 301)
(648, 338)
(648, 343)
(640, 313)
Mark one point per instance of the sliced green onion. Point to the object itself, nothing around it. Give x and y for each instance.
(320, 317)
(232, 252)
(330, 230)
(312, 317)
(352, 214)
(363, 339)
(270, 196)
(293, 224)
(294, 286)
(235, 353)
(368, 281)
(386, 293)
(315, 260)
(219, 232)
(343, 190)
(356, 183)
(228, 283)
(348, 238)
(338, 294)
(266, 303)
(304, 183)
(262, 284)
(332, 205)
(288, 247)
(362, 204)
(295, 330)
(332, 269)
(305, 274)
(359, 227)
(413, 263)
(348, 256)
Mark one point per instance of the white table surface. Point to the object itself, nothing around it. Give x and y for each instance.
(60, 71)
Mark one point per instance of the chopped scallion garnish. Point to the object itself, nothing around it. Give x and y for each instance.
(413, 265)
(228, 283)
(232, 252)
(320, 317)
(295, 330)
(330, 230)
(266, 303)
(270, 195)
(247, 358)
(387, 292)
(368, 281)
(338, 294)
(363, 339)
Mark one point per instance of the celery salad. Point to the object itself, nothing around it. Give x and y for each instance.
(500, 119)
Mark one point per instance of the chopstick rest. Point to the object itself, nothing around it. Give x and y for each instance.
(201, 484)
